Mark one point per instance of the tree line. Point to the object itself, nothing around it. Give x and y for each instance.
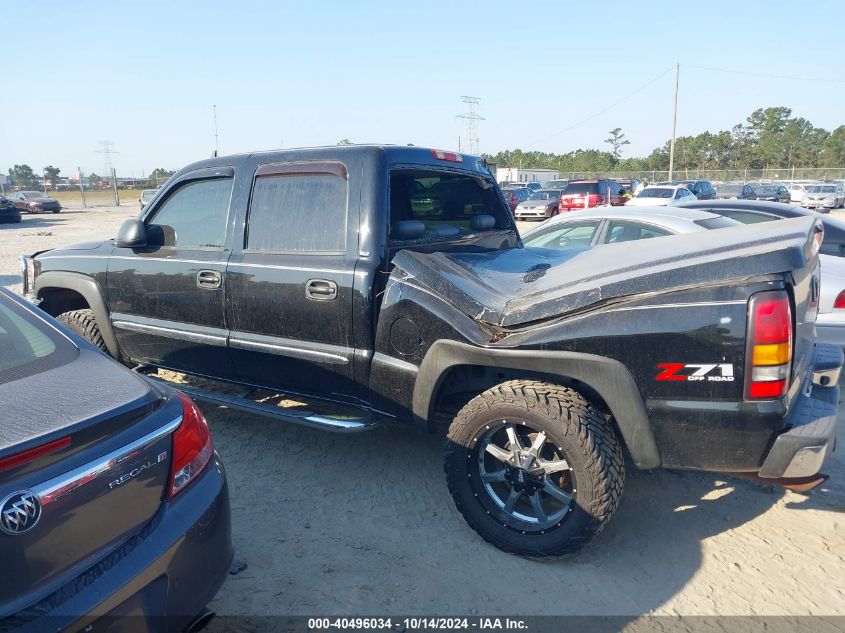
(24, 177)
(769, 138)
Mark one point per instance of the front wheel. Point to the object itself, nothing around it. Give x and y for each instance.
(85, 324)
(534, 468)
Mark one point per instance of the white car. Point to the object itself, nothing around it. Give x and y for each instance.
(797, 191)
(662, 196)
(600, 226)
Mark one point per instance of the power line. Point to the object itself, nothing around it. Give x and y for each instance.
(768, 75)
(605, 109)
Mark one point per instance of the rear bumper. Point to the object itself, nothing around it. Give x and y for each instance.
(811, 436)
(166, 574)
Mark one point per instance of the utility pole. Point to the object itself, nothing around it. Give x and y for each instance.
(81, 187)
(44, 178)
(216, 138)
(114, 187)
(674, 122)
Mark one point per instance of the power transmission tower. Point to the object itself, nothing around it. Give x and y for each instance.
(472, 118)
(107, 149)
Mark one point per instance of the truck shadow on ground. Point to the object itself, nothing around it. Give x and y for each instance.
(364, 524)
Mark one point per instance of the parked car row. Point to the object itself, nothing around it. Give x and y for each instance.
(35, 202)
(820, 196)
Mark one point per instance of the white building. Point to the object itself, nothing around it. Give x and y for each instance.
(515, 174)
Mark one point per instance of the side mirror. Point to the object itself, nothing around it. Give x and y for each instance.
(132, 234)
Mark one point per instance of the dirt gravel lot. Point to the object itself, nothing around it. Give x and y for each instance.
(364, 524)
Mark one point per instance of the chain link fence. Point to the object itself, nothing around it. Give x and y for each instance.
(719, 175)
(723, 175)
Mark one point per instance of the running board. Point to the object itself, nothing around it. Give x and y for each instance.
(326, 422)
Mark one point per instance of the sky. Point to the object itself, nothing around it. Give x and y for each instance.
(551, 76)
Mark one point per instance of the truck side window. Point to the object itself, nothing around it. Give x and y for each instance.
(298, 213)
(194, 216)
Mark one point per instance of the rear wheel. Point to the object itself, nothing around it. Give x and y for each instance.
(534, 468)
(84, 323)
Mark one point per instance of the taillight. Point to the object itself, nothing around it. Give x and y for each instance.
(769, 345)
(452, 157)
(192, 447)
(839, 304)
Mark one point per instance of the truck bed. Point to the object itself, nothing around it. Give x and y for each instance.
(518, 286)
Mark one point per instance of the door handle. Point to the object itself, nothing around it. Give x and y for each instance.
(321, 290)
(209, 279)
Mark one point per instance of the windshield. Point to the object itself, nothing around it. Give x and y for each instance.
(767, 190)
(730, 189)
(822, 189)
(582, 187)
(31, 194)
(543, 195)
(431, 206)
(656, 192)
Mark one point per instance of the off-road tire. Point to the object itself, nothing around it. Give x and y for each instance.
(83, 323)
(580, 430)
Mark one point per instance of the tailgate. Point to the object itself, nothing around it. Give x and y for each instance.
(102, 479)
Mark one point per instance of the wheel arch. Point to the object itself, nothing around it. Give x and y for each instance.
(600, 377)
(61, 291)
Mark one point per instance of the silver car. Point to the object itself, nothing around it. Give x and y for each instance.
(823, 197)
(146, 196)
(541, 204)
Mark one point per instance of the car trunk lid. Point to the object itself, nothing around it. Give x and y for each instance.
(81, 470)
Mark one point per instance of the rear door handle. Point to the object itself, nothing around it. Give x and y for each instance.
(321, 290)
(209, 279)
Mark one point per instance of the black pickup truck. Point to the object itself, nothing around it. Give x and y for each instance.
(392, 281)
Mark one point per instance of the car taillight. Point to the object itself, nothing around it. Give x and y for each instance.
(839, 304)
(192, 447)
(769, 345)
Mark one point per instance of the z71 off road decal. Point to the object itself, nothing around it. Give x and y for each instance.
(692, 372)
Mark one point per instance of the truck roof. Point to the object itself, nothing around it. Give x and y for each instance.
(396, 154)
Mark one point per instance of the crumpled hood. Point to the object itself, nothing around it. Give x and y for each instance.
(521, 285)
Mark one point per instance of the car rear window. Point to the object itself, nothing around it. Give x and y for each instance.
(719, 222)
(582, 187)
(27, 345)
(656, 192)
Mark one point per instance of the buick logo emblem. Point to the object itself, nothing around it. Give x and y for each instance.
(19, 512)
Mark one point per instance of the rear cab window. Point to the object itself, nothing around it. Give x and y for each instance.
(430, 206)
